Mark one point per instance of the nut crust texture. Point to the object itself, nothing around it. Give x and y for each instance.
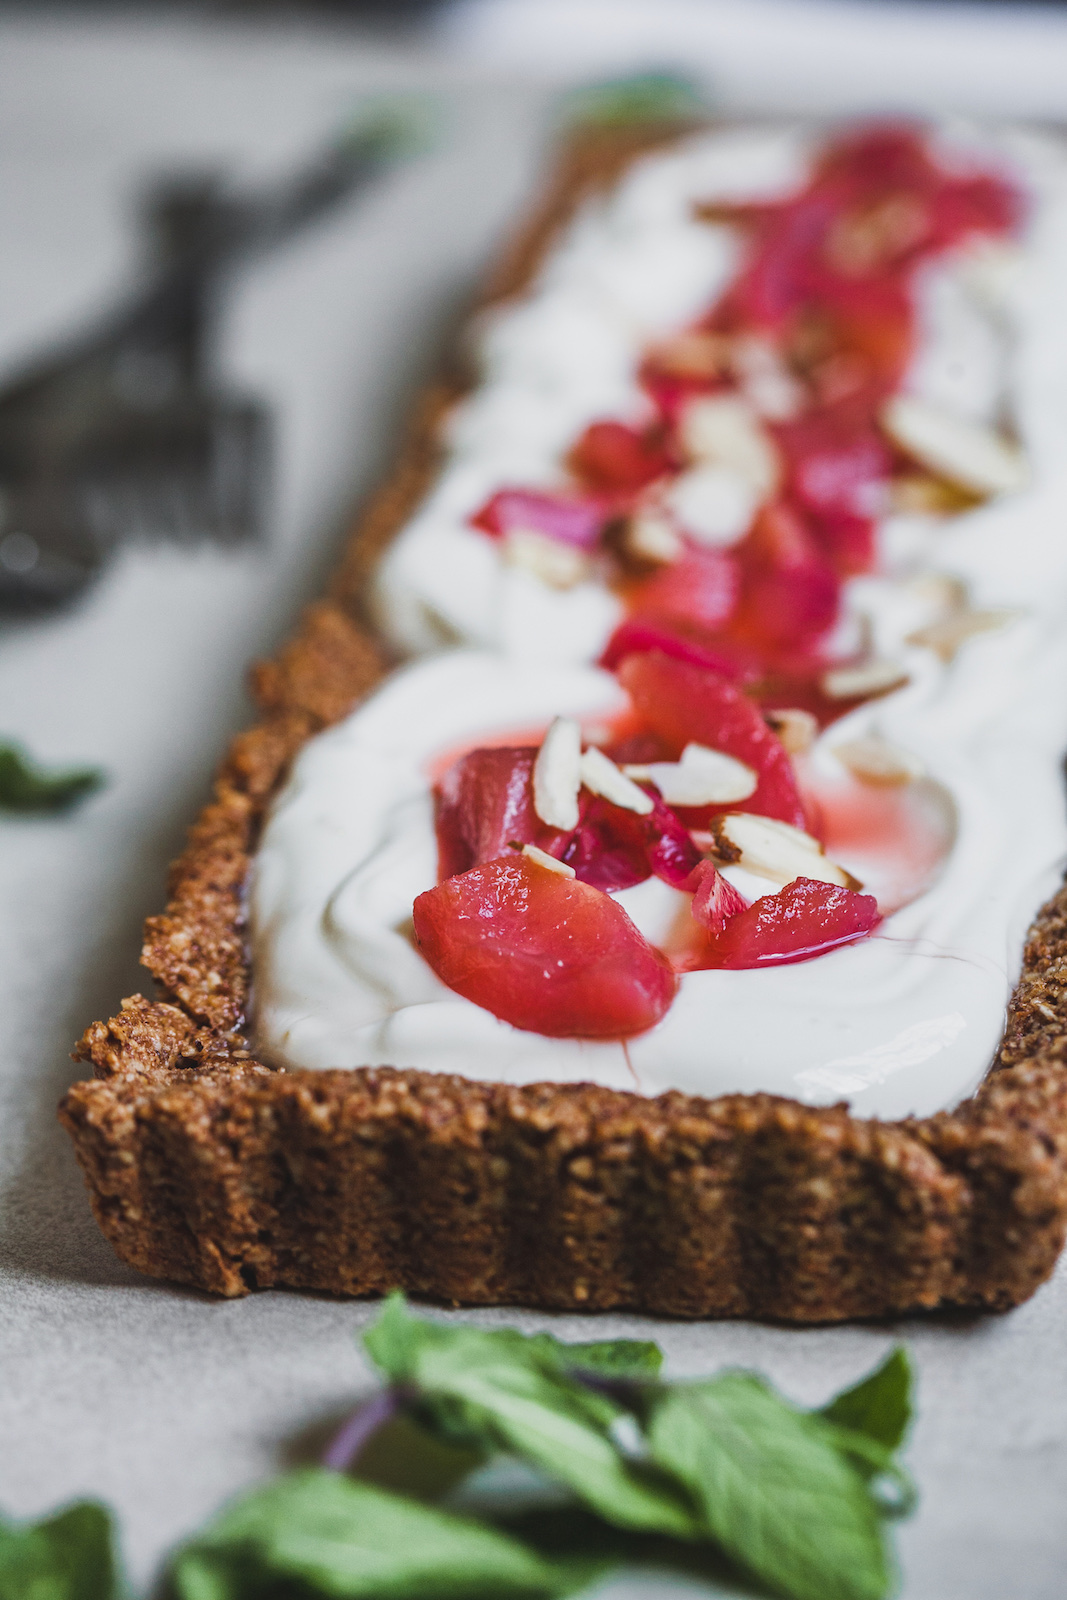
(206, 1167)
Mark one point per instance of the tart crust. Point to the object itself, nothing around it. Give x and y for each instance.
(208, 1168)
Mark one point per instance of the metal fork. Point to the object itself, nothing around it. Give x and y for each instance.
(124, 433)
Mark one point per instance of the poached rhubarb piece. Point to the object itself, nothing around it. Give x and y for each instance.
(780, 390)
(567, 518)
(482, 804)
(715, 900)
(542, 951)
(613, 458)
(685, 704)
(803, 920)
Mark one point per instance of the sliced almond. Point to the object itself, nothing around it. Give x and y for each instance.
(871, 678)
(874, 760)
(725, 429)
(692, 354)
(795, 729)
(768, 384)
(926, 495)
(946, 635)
(939, 590)
(543, 859)
(774, 850)
(652, 537)
(557, 565)
(970, 454)
(557, 775)
(603, 777)
(702, 777)
(714, 502)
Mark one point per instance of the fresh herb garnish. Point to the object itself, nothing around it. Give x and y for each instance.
(502, 1391)
(329, 1535)
(601, 1462)
(25, 787)
(68, 1556)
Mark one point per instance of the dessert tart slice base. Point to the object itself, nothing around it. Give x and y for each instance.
(208, 1168)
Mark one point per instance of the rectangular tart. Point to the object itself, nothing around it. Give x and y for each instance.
(210, 1167)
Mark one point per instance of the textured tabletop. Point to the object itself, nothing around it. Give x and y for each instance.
(159, 1400)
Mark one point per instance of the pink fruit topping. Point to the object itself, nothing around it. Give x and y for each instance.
(616, 459)
(570, 519)
(542, 951)
(684, 703)
(715, 900)
(802, 920)
(482, 803)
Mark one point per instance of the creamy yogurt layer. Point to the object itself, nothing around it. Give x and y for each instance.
(906, 1022)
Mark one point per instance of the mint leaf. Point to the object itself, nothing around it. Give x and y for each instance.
(501, 1390)
(69, 1556)
(640, 97)
(395, 1335)
(774, 1492)
(880, 1405)
(610, 1358)
(316, 1533)
(26, 787)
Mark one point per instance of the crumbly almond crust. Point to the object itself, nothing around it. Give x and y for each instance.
(206, 1167)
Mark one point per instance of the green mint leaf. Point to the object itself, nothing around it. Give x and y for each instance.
(412, 1460)
(69, 1556)
(395, 1338)
(774, 1492)
(880, 1405)
(501, 1390)
(890, 1486)
(25, 787)
(611, 1358)
(318, 1533)
(639, 97)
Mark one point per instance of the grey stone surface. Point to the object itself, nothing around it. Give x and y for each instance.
(159, 1400)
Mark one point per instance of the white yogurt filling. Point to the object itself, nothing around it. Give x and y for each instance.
(905, 1022)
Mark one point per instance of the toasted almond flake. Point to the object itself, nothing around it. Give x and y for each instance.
(864, 237)
(702, 777)
(873, 677)
(795, 729)
(725, 429)
(872, 759)
(603, 777)
(946, 635)
(558, 565)
(768, 384)
(557, 774)
(651, 537)
(968, 453)
(923, 494)
(543, 859)
(774, 850)
(940, 591)
(714, 502)
(692, 354)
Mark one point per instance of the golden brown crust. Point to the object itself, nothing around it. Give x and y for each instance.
(207, 1168)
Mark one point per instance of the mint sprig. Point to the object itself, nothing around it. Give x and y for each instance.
(774, 1491)
(67, 1556)
(502, 1391)
(318, 1533)
(520, 1467)
(26, 787)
